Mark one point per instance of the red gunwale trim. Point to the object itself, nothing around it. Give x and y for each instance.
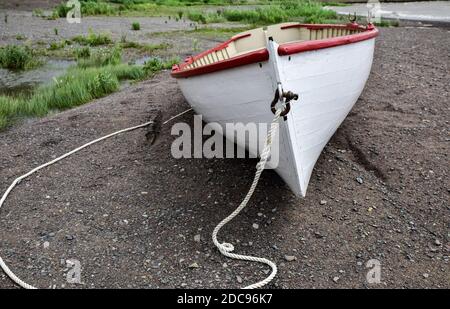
(292, 48)
(180, 70)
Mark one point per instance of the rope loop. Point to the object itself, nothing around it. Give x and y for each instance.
(226, 248)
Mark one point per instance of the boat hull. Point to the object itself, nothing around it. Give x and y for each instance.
(328, 81)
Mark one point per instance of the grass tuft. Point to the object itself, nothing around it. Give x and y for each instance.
(78, 86)
(15, 57)
(101, 57)
(154, 65)
(93, 39)
(135, 26)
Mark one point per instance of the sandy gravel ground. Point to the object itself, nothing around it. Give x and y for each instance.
(131, 214)
(39, 29)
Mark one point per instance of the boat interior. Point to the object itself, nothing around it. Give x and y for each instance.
(256, 39)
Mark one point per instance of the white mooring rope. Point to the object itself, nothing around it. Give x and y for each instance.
(3, 265)
(225, 248)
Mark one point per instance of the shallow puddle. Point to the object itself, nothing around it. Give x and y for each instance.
(16, 83)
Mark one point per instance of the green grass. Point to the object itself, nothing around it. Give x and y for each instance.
(78, 86)
(18, 57)
(97, 74)
(303, 10)
(269, 11)
(83, 52)
(20, 37)
(136, 26)
(57, 45)
(154, 65)
(91, 7)
(101, 57)
(387, 23)
(3, 121)
(38, 13)
(205, 18)
(93, 39)
(149, 48)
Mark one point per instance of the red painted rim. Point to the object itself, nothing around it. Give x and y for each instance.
(181, 70)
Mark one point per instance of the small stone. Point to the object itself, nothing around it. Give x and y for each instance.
(224, 265)
(46, 244)
(360, 180)
(255, 226)
(336, 279)
(144, 193)
(79, 211)
(194, 265)
(239, 279)
(425, 275)
(437, 242)
(69, 237)
(323, 202)
(197, 238)
(318, 235)
(290, 258)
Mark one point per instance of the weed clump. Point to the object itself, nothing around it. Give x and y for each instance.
(17, 57)
(93, 39)
(135, 26)
(154, 65)
(101, 57)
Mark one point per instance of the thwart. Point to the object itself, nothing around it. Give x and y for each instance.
(321, 69)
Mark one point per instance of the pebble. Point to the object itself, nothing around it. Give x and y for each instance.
(79, 211)
(336, 279)
(318, 235)
(69, 237)
(194, 265)
(197, 238)
(46, 244)
(239, 279)
(437, 242)
(360, 180)
(323, 202)
(425, 275)
(290, 258)
(255, 226)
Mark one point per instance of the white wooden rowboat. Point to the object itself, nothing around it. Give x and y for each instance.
(326, 65)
